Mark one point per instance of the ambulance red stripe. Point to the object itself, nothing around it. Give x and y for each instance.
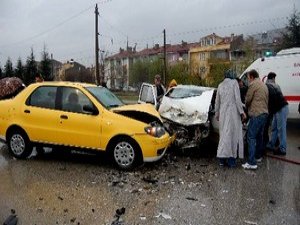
(292, 98)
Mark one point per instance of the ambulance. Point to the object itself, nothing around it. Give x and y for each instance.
(286, 65)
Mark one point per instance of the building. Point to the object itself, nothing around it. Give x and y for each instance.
(213, 48)
(55, 67)
(268, 43)
(74, 71)
(117, 67)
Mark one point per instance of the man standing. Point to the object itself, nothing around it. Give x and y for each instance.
(159, 87)
(243, 89)
(257, 104)
(160, 90)
(279, 108)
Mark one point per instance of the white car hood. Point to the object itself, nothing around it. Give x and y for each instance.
(187, 111)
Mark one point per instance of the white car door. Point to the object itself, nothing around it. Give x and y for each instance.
(147, 94)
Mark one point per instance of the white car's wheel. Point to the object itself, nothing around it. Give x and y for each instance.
(19, 144)
(125, 153)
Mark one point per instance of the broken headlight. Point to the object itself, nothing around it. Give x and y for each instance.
(155, 131)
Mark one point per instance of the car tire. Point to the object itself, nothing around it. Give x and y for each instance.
(19, 144)
(125, 153)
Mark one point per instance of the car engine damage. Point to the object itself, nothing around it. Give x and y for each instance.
(187, 136)
(185, 111)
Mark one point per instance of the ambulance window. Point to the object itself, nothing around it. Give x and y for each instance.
(245, 79)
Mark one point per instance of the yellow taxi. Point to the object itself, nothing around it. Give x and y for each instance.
(83, 116)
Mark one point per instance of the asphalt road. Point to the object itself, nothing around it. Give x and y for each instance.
(187, 188)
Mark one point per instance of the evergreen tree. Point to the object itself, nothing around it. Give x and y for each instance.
(19, 71)
(8, 68)
(292, 37)
(45, 66)
(1, 75)
(30, 69)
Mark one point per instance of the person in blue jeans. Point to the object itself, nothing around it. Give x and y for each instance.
(279, 108)
(257, 104)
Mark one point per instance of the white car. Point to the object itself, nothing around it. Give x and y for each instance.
(186, 110)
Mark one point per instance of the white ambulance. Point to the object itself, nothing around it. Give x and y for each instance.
(286, 65)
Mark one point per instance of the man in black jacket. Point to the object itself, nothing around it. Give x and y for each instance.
(278, 107)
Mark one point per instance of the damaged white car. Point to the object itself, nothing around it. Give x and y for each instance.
(187, 112)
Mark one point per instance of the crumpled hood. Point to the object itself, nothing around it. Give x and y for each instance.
(187, 111)
(142, 112)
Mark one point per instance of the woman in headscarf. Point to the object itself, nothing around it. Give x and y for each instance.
(172, 83)
(229, 111)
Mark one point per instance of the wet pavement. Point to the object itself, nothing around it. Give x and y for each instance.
(185, 188)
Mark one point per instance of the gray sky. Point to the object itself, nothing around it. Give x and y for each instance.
(66, 27)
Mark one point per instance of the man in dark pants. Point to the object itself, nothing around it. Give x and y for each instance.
(257, 104)
(160, 90)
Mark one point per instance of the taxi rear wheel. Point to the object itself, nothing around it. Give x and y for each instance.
(19, 144)
(126, 153)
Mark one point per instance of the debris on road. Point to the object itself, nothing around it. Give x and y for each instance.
(273, 202)
(119, 213)
(191, 198)
(188, 166)
(250, 222)
(11, 220)
(149, 179)
(143, 217)
(164, 215)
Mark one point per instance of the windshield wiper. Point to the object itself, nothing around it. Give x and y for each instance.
(112, 106)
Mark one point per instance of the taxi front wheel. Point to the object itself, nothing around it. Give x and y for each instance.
(126, 153)
(19, 144)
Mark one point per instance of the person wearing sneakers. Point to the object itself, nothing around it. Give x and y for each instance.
(279, 108)
(257, 105)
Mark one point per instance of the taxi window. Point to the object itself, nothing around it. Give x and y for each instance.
(73, 100)
(43, 97)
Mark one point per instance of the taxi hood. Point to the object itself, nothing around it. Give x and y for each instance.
(142, 112)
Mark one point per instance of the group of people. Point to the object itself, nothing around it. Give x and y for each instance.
(260, 105)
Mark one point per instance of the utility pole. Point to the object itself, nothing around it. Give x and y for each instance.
(52, 76)
(97, 46)
(165, 58)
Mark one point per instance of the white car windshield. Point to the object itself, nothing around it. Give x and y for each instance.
(185, 92)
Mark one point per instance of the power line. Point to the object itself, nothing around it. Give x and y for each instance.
(57, 25)
(203, 30)
(111, 26)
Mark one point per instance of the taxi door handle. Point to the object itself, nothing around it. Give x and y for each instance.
(26, 111)
(64, 117)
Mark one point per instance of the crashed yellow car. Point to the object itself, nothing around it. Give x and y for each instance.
(83, 116)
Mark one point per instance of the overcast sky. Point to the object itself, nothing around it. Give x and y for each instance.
(66, 27)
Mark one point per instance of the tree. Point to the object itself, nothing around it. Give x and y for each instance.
(8, 68)
(144, 71)
(179, 72)
(31, 69)
(292, 37)
(19, 71)
(45, 66)
(138, 72)
(1, 75)
(216, 73)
